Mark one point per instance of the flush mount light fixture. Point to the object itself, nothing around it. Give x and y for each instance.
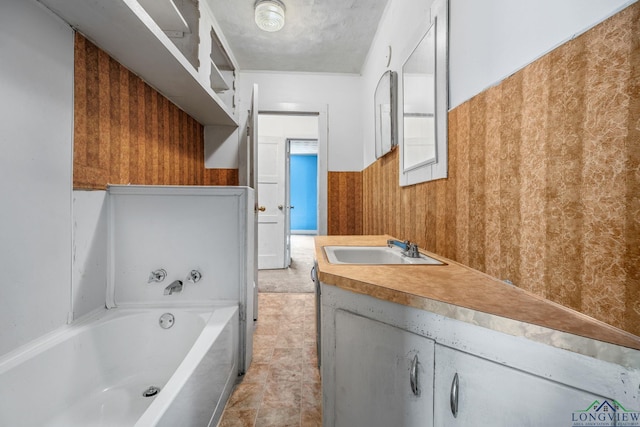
(269, 15)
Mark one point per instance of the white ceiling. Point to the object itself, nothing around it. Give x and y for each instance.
(331, 36)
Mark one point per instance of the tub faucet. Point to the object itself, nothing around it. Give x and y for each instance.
(409, 249)
(175, 286)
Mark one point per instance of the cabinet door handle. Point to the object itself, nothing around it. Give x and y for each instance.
(413, 376)
(453, 398)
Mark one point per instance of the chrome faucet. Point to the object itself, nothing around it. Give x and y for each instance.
(409, 249)
(175, 286)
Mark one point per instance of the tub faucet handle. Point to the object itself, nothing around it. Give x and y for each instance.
(194, 276)
(157, 275)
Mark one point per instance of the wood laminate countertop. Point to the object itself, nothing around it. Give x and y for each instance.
(428, 286)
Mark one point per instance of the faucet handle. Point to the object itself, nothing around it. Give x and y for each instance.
(194, 276)
(412, 250)
(157, 275)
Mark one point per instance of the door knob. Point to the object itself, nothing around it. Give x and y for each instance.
(280, 207)
(262, 208)
(291, 207)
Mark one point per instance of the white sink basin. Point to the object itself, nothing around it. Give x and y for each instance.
(373, 255)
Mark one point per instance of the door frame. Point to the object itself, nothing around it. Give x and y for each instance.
(319, 110)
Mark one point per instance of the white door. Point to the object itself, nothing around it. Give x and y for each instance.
(252, 166)
(271, 218)
(287, 204)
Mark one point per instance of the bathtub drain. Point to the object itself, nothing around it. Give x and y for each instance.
(151, 391)
(166, 320)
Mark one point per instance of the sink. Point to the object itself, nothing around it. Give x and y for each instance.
(374, 255)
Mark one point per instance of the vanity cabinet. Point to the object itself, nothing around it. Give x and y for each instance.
(506, 373)
(383, 374)
(470, 390)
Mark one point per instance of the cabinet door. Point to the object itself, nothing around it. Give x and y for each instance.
(374, 366)
(490, 394)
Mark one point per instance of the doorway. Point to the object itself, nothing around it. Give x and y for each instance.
(303, 188)
(280, 133)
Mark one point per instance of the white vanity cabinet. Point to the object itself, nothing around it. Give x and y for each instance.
(505, 373)
(383, 374)
(470, 390)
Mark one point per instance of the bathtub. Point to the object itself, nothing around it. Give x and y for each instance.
(94, 372)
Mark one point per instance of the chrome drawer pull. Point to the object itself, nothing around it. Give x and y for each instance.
(413, 376)
(453, 398)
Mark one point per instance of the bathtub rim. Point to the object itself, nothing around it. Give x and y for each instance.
(94, 318)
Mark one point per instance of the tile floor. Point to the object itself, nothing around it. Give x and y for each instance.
(282, 387)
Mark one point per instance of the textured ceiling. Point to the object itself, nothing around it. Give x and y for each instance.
(319, 35)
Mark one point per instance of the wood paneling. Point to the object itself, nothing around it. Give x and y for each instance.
(544, 179)
(125, 132)
(344, 204)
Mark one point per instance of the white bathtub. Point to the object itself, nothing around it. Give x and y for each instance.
(94, 372)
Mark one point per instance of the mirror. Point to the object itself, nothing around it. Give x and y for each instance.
(385, 106)
(424, 89)
(418, 74)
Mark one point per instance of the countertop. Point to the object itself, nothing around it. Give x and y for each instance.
(446, 288)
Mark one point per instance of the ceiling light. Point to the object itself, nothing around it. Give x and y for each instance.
(269, 15)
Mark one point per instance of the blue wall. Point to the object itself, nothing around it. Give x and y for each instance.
(303, 174)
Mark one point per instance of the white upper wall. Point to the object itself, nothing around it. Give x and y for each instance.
(488, 41)
(492, 39)
(36, 106)
(401, 28)
(277, 125)
(340, 93)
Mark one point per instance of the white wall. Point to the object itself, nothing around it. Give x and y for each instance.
(284, 126)
(341, 93)
(178, 230)
(89, 251)
(36, 106)
(401, 28)
(488, 41)
(491, 39)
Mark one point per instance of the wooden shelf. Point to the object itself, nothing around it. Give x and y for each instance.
(126, 31)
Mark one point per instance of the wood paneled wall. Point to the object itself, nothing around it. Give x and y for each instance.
(125, 132)
(544, 179)
(344, 204)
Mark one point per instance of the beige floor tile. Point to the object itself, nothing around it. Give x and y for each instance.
(310, 373)
(262, 355)
(238, 418)
(282, 394)
(281, 373)
(282, 387)
(311, 418)
(257, 373)
(264, 327)
(287, 356)
(311, 395)
(246, 396)
(278, 417)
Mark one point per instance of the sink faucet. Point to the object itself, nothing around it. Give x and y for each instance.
(175, 286)
(409, 249)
